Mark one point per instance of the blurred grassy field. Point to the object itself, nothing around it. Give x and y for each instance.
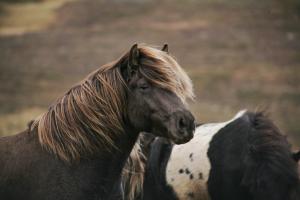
(26, 16)
(239, 53)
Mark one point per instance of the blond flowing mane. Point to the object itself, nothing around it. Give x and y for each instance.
(88, 118)
(132, 178)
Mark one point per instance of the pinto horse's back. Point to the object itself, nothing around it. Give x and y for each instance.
(251, 159)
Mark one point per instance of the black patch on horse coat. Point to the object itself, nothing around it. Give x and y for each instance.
(187, 171)
(251, 160)
(191, 157)
(180, 171)
(191, 176)
(200, 175)
(155, 185)
(191, 195)
(296, 156)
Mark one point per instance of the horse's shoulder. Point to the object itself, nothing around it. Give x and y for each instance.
(18, 153)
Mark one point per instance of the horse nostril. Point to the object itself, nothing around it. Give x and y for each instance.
(185, 123)
(182, 123)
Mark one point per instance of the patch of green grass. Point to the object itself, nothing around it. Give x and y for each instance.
(19, 18)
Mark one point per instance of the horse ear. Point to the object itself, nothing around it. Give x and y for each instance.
(165, 48)
(130, 68)
(296, 156)
(134, 55)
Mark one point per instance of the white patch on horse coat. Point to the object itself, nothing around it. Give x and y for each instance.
(188, 167)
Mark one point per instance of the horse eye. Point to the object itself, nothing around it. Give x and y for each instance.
(144, 86)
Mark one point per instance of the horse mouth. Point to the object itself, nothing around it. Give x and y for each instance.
(181, 138)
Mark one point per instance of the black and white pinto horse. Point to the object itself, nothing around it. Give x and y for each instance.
(245, 158)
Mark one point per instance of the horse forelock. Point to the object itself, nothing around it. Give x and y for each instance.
(161, 69)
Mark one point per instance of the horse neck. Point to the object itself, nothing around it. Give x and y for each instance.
(124, 143)
(113, 162)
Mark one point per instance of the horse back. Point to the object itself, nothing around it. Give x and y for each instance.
(251, 159)
(19, 158)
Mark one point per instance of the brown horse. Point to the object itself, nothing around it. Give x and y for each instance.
(77, 149)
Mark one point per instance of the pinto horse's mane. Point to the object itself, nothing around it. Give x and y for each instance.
(90, 115)
(270, 161)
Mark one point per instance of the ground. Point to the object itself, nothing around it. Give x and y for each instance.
(239, 54)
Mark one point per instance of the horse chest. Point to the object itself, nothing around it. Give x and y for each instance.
(188, 168)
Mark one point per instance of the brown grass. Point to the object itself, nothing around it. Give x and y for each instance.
(239, 54)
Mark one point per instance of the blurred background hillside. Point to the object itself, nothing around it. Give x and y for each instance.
(239, 53)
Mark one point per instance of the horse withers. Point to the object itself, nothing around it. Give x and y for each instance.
(77, 149)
